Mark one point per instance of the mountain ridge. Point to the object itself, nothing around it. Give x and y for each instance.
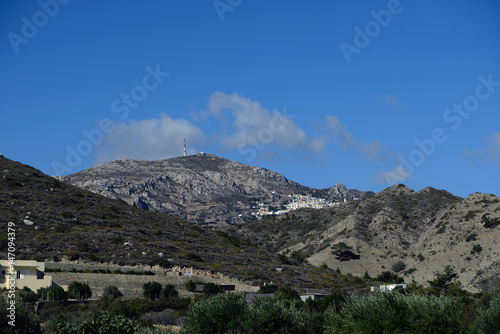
(201, 188)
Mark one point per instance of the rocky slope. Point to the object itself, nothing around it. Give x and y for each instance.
(202, 188)
(415, 234)
(57, 222)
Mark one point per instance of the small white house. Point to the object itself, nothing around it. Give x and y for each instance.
(387, 287)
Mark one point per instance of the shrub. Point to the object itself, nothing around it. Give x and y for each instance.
(398, 266)
(212, 289)
(190, 285)
(25, 320)
(223, 313)
(77, 290)
(388, 312)
(488, 320)
(268, 288)
(72, 255)
(112, 291)
(476, 249)
(27, 295)
(49, 309)
(169, 291)
(343, 252)
(151, 290)
(267, 315)
(67, 214)
(52, 293)
(286, 293)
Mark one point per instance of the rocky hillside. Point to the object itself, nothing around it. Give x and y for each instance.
(57, 222)
(202, 188)
(414, 234)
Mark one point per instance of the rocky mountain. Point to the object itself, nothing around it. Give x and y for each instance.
(53, 221)
(202, 188)
(413, 234)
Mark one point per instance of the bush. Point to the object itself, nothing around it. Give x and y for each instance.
(92, 322)
(267, 315)
(169, 291)
(52, 293)
(286, 293)
(50, 309)
(398, 266)
(112, 291)
(77, 290)
(223, 313)
(28, 295)
(151, 290)
(190, 285)
(488, 320)
(212, 289)
(387, 312)
(268, 288)
(25, 320)
(476, 249)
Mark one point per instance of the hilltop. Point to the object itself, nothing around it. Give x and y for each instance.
(58, 222)
(203, 188)
(415, 234)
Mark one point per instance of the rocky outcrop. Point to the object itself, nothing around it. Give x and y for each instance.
(202, 188)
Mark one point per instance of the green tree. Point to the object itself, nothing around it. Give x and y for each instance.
(77, 290)
(190, 285)
(343, 252)
(444, 283)
(28, 295)
(112, 291)
(169, 291)
(25, 321)
(223, 313)
(211, 289)
(52, 293)
(151, 290)
(268, 288)
(267, 315)
(389, 312)
(287, 293)
(488, 320)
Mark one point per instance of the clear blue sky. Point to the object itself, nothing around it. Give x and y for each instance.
(367, 93)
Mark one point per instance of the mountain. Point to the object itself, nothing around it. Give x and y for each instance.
(415, 234)
(202, 188)
(398, 230)
(54, 221)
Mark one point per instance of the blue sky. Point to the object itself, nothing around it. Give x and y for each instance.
(367, 93)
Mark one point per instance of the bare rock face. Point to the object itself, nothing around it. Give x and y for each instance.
(203, 188)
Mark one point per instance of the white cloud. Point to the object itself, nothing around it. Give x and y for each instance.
(393, 101)
(396, 175)
(343, 138)
(255, 131)
(342, 135)
(489, 154)
(494, 148)
(151, 139)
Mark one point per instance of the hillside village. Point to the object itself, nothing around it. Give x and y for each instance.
(297, 202)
